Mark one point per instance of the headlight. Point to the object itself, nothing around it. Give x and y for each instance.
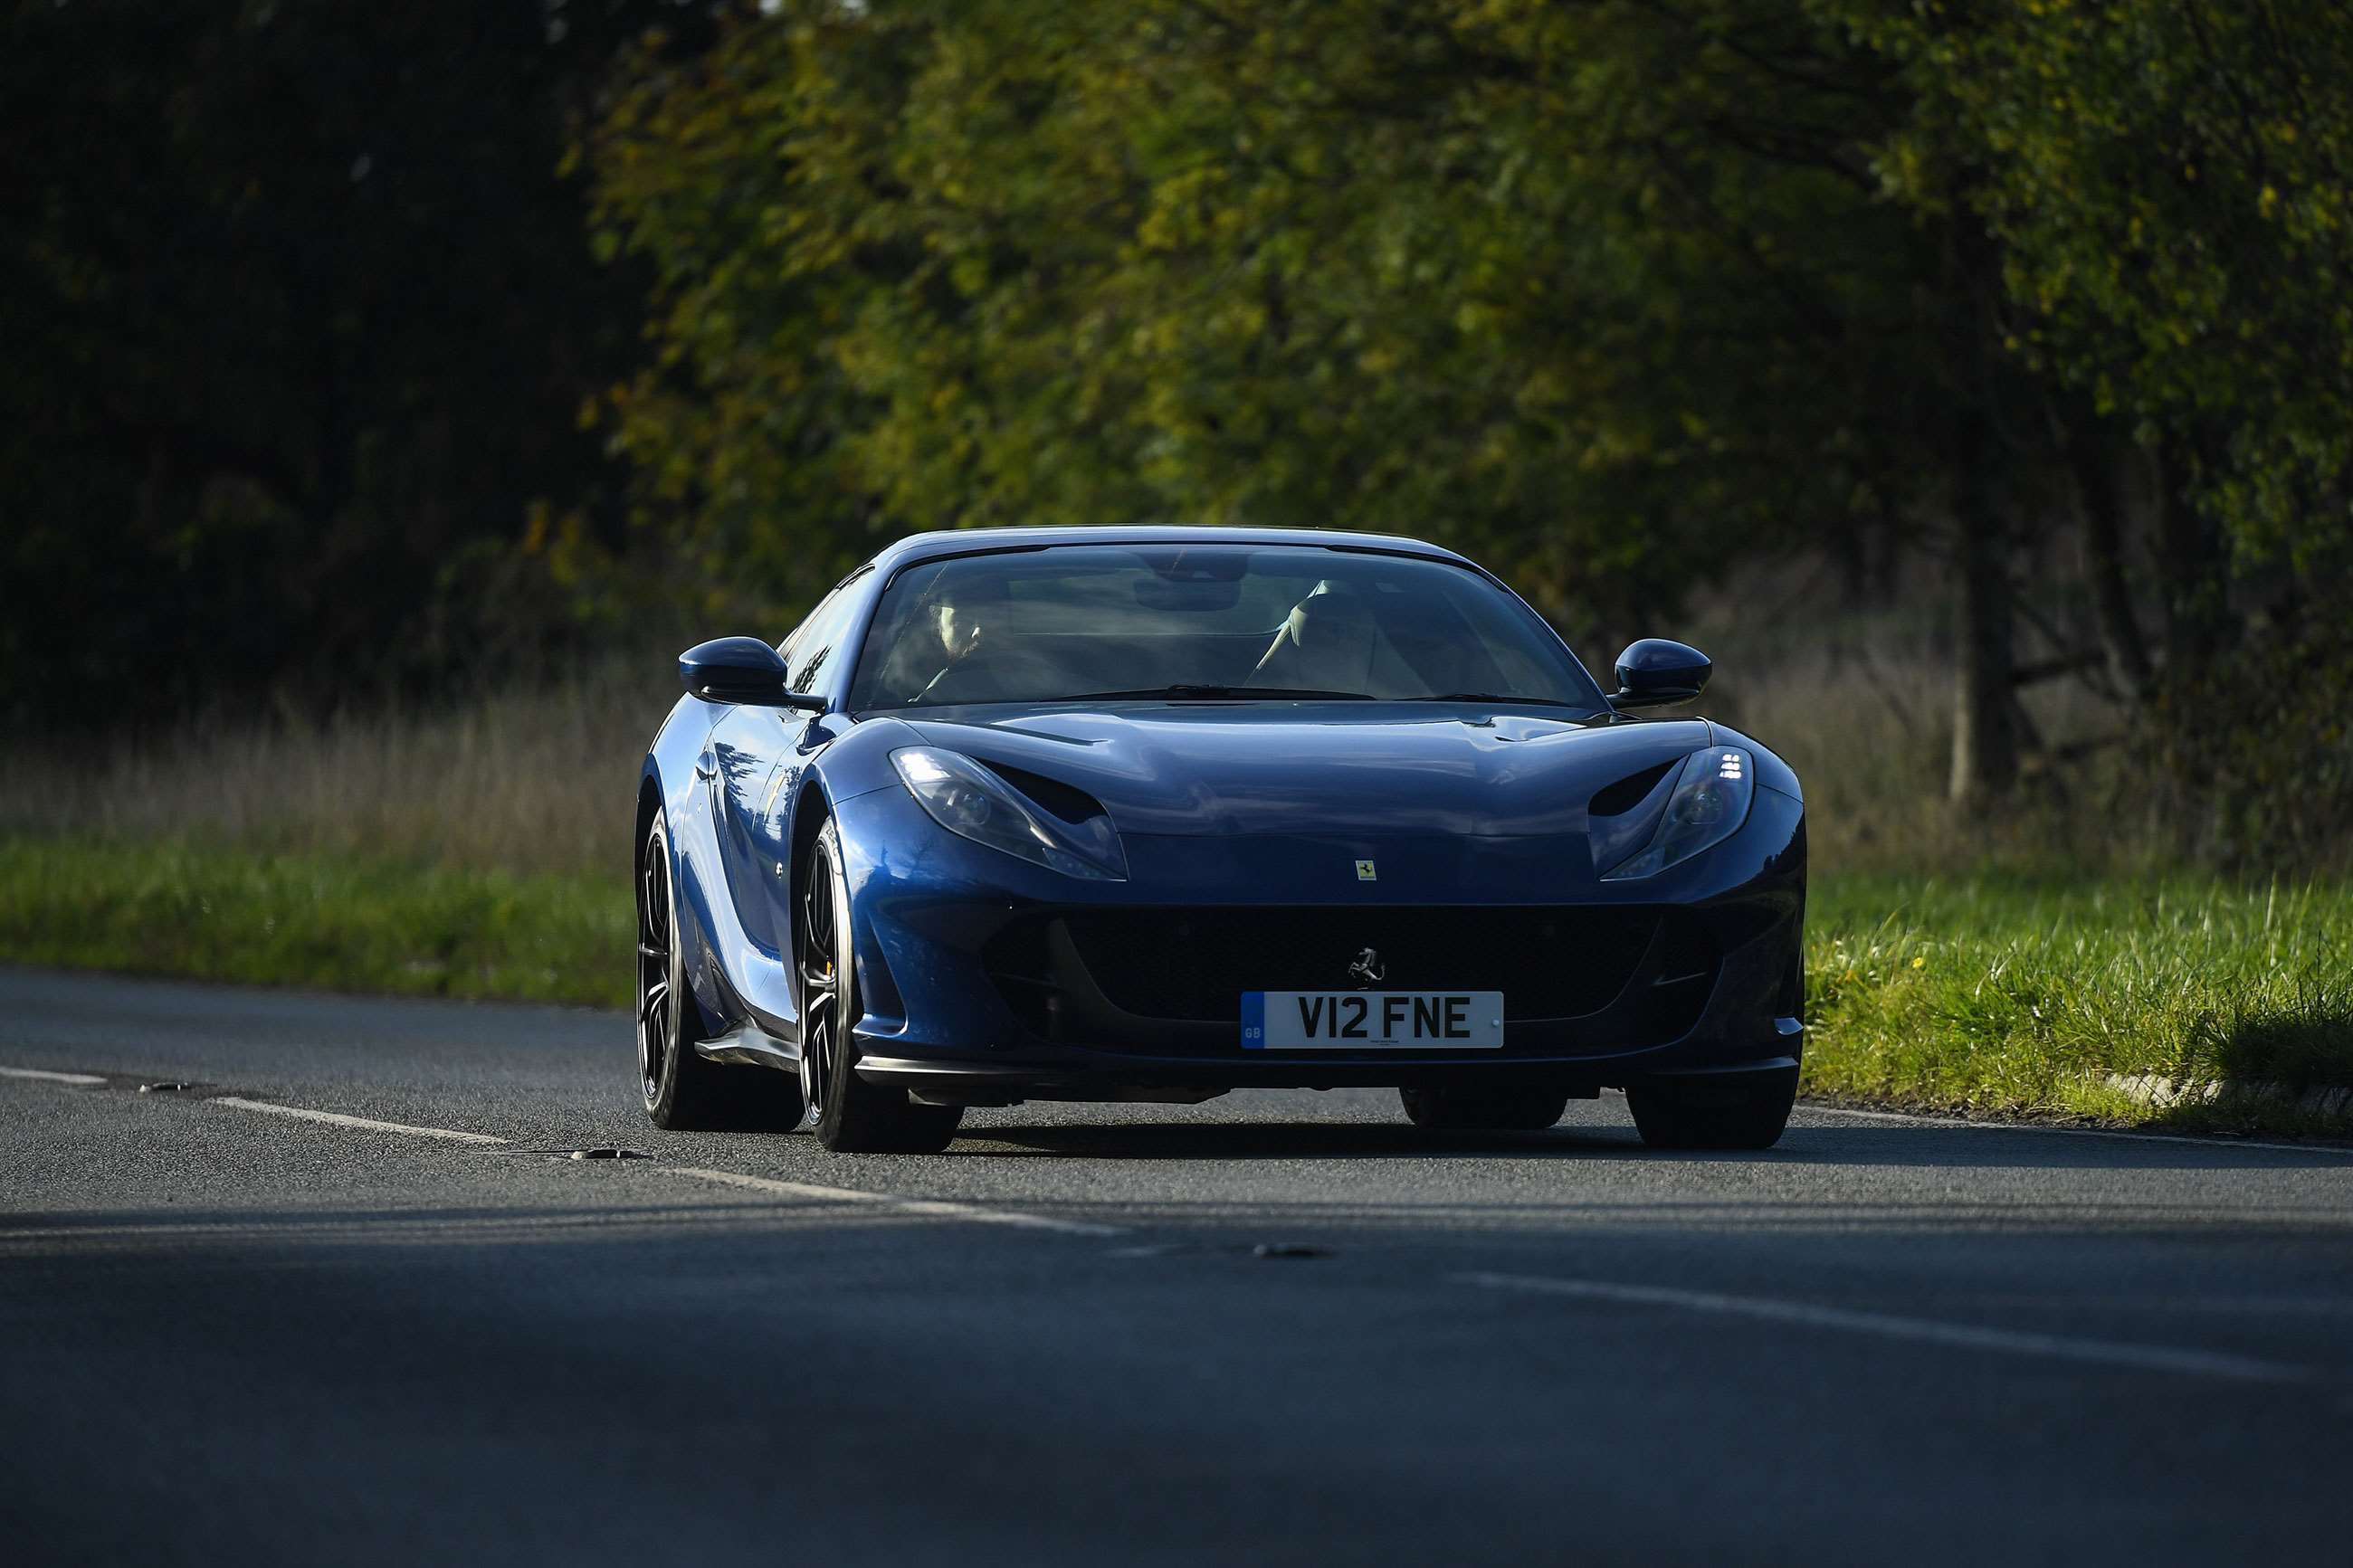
(973, 802)
(1709, 803)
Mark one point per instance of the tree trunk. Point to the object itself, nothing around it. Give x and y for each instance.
(2195, 568)
(1984, 742)
(2100, 500)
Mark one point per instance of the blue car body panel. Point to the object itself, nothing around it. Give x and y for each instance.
(1254, 816)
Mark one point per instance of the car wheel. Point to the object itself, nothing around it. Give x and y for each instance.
(683, 1091)
(1510, 1108)
(851, 1114)
(1714, 1114)
(676, 1082)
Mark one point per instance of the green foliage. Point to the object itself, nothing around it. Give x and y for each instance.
(1595, 291)
(217, 913)
(2172, 185)
(2253, 749)
(2169, 183)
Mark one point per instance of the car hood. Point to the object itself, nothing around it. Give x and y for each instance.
(1385, 769)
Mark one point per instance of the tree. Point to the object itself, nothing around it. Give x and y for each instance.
(1604, 293)
(2169, 184)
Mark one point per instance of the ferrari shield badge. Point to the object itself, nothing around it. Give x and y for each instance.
(1365, 872)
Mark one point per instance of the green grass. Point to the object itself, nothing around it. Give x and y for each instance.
(1996, 994)
(2022, 996)
(327, 921)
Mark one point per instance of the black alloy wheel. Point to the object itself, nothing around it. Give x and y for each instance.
(850, 1114)
(1701, 1114)
(1505, 1108)
(819, 946)
(659, 989)
(684, 1091)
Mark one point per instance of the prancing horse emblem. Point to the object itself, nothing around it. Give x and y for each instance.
(1368, 967)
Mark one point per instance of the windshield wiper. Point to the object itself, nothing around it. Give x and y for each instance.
(1185, 691)
(1492, 696)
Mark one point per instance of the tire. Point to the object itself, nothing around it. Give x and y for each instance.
(851, 1115)
(1505, 1108)
(684, 1092)
(1713, 1115)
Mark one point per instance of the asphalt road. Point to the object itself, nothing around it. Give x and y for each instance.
(235, 1334)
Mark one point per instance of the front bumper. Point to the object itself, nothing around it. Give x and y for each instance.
(988, 981)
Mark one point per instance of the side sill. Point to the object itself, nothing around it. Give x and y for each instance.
(751, 1046)
(886, 1069)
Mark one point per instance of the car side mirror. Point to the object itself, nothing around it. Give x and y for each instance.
(1654, 672)
(743, 670)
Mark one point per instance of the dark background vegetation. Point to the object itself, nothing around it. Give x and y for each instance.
(356, 350)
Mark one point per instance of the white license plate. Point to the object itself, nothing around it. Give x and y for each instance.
(1372, 1020)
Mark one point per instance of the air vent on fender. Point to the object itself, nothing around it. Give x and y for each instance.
(1068, 802)
(1621, 817)
(1616, 800)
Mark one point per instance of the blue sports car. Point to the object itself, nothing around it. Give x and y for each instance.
(1151, 814)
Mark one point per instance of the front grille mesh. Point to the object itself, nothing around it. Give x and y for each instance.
(1195, 964)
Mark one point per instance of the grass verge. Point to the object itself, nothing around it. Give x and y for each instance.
(2027, 997)
(1990, 994)
(327, 921)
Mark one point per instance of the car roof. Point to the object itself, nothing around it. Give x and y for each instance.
(978, 540)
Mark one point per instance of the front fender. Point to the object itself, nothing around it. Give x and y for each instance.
(735, 974)
(1772, 773)
(671, 769)
(858, 761)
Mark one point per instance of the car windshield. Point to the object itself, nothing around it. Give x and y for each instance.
(1224, 621)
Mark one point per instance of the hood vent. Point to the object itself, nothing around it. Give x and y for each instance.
(1616, 800)
(1071, 804)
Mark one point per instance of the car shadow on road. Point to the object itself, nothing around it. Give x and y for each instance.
(1909, 1146)
(1272, 1140)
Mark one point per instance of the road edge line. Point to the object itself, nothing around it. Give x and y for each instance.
(1919, 1120)
(1892, 1326)
(933, 1209)
(42, 1074)
(337, 1119)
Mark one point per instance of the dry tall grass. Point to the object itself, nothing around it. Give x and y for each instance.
(1861, 703)
(539, 776)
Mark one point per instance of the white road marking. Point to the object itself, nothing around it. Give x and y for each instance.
(1916, 1120)
(337, 1119)
(926, 1206)
(1882, 1325)
(36, 1074)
